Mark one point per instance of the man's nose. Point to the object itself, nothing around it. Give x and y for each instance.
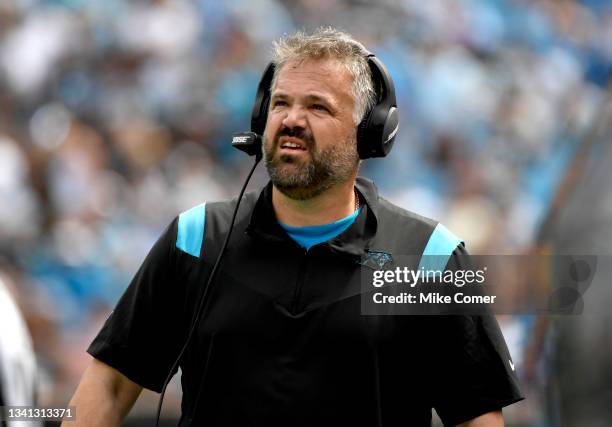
(295, 118)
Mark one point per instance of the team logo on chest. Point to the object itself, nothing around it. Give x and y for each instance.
(375, 260)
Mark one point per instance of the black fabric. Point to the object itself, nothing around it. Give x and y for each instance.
(284, 342)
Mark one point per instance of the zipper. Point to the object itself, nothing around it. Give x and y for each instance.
(299, 282)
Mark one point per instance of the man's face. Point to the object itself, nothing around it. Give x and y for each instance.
(309, 141)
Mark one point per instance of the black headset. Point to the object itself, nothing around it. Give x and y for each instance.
(375, 134)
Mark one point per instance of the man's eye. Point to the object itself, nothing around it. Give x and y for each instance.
(320, 107)
(279, 103)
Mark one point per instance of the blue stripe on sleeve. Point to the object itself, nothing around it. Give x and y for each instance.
(191, 230)
(441, 245)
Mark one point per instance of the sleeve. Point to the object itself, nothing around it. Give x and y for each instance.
(144, 333)
(474, 372)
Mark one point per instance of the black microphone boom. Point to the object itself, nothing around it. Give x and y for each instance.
(249, 142)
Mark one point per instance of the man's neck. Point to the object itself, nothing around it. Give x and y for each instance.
(336, 203)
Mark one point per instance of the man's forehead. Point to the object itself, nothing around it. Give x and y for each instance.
(324, 75)
(322, 65)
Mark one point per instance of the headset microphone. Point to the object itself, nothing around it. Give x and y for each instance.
(248, 142)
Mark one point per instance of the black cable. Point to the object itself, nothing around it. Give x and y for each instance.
(203, 297)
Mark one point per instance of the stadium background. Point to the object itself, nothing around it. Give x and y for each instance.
(116, 115)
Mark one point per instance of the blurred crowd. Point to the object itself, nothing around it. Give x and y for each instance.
(116, 115)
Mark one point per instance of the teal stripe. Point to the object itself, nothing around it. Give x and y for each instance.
(191, 230)
(441, 245)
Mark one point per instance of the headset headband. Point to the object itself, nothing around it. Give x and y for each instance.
(377, 130)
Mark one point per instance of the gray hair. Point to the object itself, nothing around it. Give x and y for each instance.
(324, 43)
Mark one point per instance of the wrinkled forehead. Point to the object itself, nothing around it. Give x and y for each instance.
(321, 75)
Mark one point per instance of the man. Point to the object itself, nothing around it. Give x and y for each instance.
(283, 341)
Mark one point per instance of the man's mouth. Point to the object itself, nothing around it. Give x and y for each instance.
(292, 144)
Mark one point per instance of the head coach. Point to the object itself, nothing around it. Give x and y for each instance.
(278, 338)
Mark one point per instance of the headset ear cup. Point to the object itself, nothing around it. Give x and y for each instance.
(259, 115)
(376, 132)
(362, 138)
(389, 131)
(263, 118)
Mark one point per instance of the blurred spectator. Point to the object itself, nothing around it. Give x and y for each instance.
(18, 379)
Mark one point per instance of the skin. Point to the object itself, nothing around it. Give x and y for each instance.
(103, 398)
(312, 100)
(490, 419)
(311, 105)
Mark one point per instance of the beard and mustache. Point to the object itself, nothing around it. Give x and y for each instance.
(301, 179)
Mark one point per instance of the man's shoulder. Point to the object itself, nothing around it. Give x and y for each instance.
(397, 222)
(389, 214)
(402, 230)
(392, 212)
(194, 225)
(223, 207)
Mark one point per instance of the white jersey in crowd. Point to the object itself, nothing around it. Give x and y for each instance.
(17, 360)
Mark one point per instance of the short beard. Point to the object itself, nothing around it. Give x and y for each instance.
(325, 169)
